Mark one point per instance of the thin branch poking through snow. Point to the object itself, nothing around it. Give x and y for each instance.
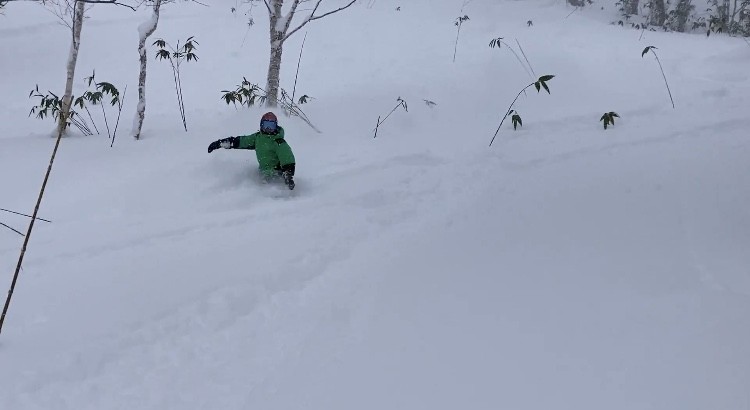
(31, 227)
(18, 232)
(18, 213)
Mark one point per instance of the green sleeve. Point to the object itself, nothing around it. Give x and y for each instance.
(247, 141)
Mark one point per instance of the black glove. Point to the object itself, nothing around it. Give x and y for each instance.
(287, 171)
(231, 142)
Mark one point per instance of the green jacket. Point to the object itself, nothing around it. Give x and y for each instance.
(271, 150)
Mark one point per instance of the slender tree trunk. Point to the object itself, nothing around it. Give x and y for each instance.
(658, 13)
(276, 37)
(274, 73)
(630, 7)
(727, 17)
(682, 11)
(75, 44)
(145, 30)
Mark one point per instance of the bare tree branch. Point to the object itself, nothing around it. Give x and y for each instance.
(290, 16)
(314, 17)
(115, 2)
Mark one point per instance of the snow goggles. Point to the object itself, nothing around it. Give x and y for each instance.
(268, 125)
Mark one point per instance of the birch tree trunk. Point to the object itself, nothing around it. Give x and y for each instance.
(145, 31)
(67, 100)
(274, 72)
(276, 36)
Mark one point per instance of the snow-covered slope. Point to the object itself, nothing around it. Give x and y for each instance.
(565, 267)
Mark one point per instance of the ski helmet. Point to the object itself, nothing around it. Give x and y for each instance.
(269, 123)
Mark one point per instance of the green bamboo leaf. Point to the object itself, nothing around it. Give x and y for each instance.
(545, 87)
(163, 54)
(546, 78)
(536, 84)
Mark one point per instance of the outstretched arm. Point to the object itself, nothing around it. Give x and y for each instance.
(241, 142)
(246, 141)
(227, 143)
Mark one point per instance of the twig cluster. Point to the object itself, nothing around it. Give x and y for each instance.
(176, 56)
(401, 103)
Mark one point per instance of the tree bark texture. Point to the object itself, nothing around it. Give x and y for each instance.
(145, 33)
(630, 7)
(276, 36)
(682, 14)
(67, 100)
(658, 13)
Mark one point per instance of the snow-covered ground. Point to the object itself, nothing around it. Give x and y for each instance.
(565, 267)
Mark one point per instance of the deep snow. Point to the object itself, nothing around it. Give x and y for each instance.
(566, 267)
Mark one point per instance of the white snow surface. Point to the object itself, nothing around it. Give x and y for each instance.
(565, 267)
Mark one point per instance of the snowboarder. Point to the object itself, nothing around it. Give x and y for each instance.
(274, 154)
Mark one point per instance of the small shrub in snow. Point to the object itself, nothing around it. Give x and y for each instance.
(516, 119)
(245, 94)
(248, 94)
(176, 57)
(609, 118)
(50, 105)
(651, 49)
(401, 103)
(458, 23)
(539, 84)
(101, 91)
